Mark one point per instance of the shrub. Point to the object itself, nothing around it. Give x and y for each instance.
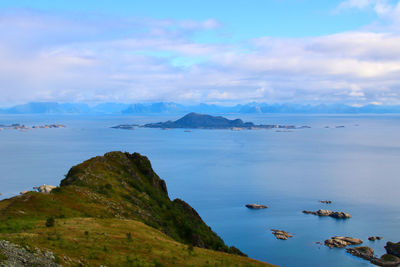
(129, 237)
(50, 222)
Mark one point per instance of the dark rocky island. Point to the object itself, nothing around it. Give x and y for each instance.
(195, 120)
(110, 210)
(202, 121)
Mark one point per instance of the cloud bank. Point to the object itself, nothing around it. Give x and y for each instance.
(47, 57)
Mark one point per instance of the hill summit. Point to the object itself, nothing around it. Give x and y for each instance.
(102, 199)
(195, 120)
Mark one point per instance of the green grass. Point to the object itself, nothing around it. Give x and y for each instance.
(115, 210)
(388, 257)
(2, 256)
(106, 242)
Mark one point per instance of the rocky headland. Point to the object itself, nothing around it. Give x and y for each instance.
(107, 209)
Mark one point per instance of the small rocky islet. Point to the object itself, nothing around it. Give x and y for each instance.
(280, 234)
(342, 241)
(256, 206)
(333, 214)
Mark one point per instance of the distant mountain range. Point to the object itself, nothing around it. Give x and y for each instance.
(175, 108)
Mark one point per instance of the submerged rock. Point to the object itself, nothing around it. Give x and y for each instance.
(325, 201)
(44, 188)
(342, 241)
(334, 214)
(282, 235)
(373, 238)
(256, 206)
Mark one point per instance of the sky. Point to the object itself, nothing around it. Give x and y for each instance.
(189, 51)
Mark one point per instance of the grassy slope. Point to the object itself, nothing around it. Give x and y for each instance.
(116, 194)
(94, 241)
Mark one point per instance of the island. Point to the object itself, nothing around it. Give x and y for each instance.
(333, 214)
(22, 127)
(110, 210)
(256, 206)
(202, 121)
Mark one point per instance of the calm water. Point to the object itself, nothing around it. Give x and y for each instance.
(218, 171)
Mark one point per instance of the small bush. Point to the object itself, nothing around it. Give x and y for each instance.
(129, 237)
(50, 222)
(158, 264)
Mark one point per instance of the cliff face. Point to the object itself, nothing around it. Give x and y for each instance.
(118, 185)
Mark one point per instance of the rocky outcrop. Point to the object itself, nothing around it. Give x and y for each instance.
(333, 214)
(390, 259)
(373, 238)
(282, 235)
(387, 260)
(16, 256)
(342, 241)
(256, 206)
(44, 188)
(366, 253)
(393, 248)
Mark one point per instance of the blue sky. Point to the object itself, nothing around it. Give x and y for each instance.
(308, 51)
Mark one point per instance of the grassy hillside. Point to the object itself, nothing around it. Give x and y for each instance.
(114, 210)
(117, 242)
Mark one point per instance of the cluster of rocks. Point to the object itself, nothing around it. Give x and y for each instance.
(256, 206)
(17, 256)
(22, 127)
(333, 214)
(45, 189)
(282, 235)
(373, 238)
(390, 259)
(342, 241)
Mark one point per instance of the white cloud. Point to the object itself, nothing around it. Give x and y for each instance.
(386, 9)
(129, 60)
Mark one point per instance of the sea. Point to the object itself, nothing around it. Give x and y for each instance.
(217, 172)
